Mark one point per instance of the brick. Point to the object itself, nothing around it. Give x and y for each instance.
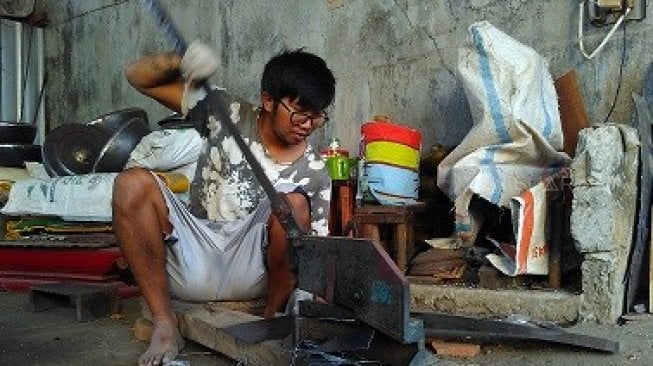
(456, 349)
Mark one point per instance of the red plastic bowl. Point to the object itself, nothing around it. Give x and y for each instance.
(385, 131)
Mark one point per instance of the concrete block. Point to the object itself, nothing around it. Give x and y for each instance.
(594, 218)
(599, 156)
(604, 179)
(554, 306)
(603, 289)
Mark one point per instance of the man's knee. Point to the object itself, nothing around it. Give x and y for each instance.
(133, 187)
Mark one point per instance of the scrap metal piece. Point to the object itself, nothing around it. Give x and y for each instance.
(262, 330)
(633, 280)
(358, 339)
(351, 342)
(452, 327)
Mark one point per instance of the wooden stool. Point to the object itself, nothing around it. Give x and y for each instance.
(91, 301)
(401, 219)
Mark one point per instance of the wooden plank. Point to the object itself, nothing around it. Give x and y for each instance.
(424, 280)
(204, 324)
(380, 209)
(380, 218)
(371, 231)
(555, 218)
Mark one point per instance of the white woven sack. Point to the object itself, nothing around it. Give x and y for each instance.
(516, 132)
(75, 198)
(165, 150)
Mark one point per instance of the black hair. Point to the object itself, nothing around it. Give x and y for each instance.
(300, 75)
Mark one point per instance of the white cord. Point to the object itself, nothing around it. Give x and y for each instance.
(607, 37)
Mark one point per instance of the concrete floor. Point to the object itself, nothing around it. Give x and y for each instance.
(54, 337)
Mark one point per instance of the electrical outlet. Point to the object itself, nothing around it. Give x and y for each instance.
(606, 12)
(610, 5)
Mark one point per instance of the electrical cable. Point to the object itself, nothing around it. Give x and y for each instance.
(621, 71)
(607, 37)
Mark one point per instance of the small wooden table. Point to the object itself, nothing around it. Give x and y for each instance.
(401, 219)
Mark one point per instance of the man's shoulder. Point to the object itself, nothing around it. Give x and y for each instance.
(242, 112)
(312, 165)
(197, 97)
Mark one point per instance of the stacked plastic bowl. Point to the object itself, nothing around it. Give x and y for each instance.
(391, 168)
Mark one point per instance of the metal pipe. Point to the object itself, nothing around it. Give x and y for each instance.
(40, 77)
(18, 67)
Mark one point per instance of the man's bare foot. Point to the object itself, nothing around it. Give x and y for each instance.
(165, 344)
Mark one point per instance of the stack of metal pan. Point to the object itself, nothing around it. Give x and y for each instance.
(16, 144)
(101, 145)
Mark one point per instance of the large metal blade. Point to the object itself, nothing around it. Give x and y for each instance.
(359, 275)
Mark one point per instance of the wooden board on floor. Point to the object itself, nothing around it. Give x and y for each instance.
(203, 324)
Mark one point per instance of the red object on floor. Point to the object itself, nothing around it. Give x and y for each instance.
(23, 283)
(59, 260)
(22, 267)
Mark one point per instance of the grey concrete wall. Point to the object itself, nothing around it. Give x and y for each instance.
(393, 57)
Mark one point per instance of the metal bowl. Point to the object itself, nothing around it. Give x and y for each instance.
(72, 149)
(111, 123)
(115, 153)
(17, 133)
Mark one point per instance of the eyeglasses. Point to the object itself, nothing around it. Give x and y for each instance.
(298, 118)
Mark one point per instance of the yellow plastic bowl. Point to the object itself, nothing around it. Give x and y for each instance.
(392, 153)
